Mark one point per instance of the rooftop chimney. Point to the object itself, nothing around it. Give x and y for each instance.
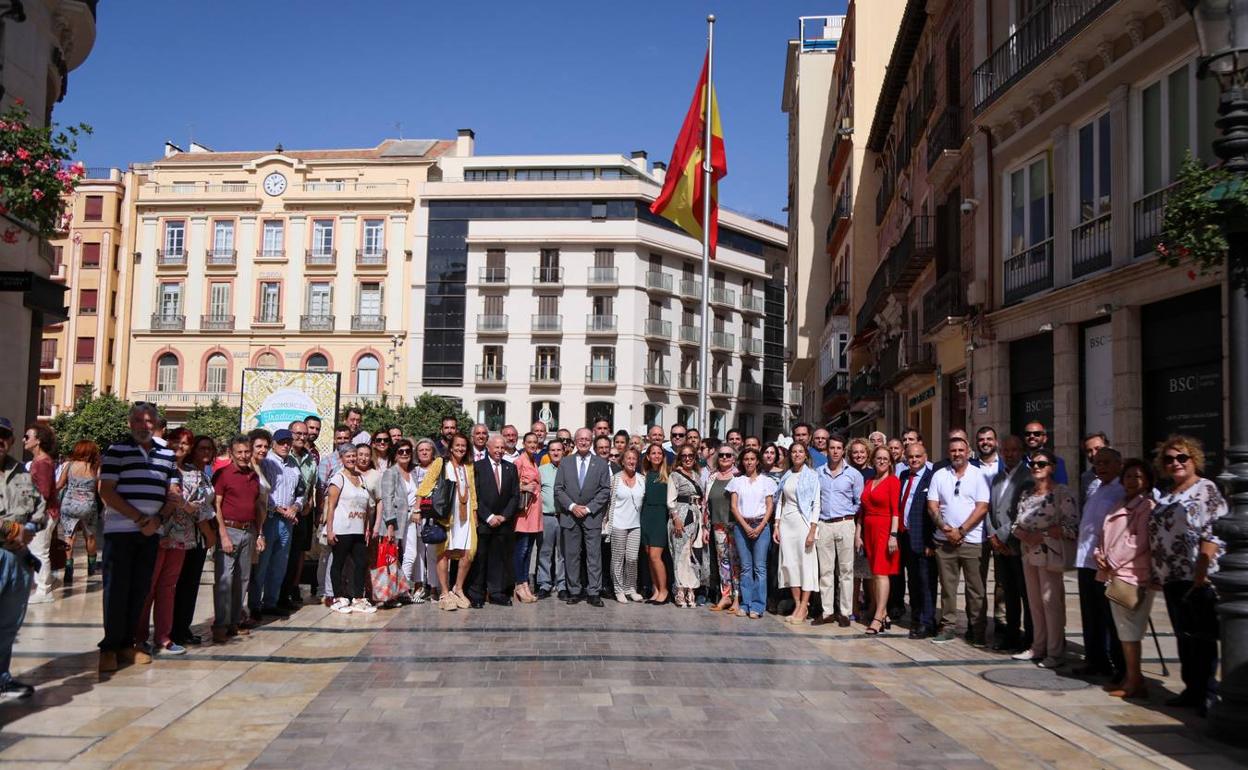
(197, 147)
(639, 160)
(171, 149)
(659, 171)
(465, 142)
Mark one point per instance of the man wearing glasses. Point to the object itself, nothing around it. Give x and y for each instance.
(582, 490)
(957, 502)
(1036, 438)
(678, 433)
(303, 457)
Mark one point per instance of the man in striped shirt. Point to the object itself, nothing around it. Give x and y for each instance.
(137, 480)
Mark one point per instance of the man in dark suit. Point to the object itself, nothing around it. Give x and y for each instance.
(582, 490)
(1011, 619)
(498, 498)
(918, 545)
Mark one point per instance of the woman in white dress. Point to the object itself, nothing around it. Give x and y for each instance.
(460, 520)
(798, 566)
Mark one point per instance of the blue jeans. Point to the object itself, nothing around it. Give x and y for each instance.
(753, 557)
(15, 579)
(266, 588)
(523, 549)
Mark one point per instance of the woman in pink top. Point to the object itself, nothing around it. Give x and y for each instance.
(529, 519)
(1125, 554)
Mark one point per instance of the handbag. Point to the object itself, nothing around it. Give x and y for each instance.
(1124, 594)
(387, 580)
(431, 530)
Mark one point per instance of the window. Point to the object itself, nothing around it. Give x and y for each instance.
(486, 175)
(603, 305)
(548, 305)
(270, 302)
(1094, 173)
(493, 305)
(745, 423)
(1177, 114)
(602, 365)
(547, 412)
(611, 173)
(370, 299)
(266, 361)
(320, 300)
(548, 271)
(222, 237)
(216, 374)
(366, 371)
(87, 299)
(655, 312)
(842, 348)
(687, 416)
(274, 238)
(323, 237)
(599, 410)
(170, 300)
(652, 414)
(83, 392)
(718, 424)
(175, 238)
(546, 363)
(47, 353)
(47, 395)
(94, 209)
(317, 363)
(112, 302)
(492, 362)
(167, 373)
(219, 305)
(598, 210)
(1030, 199)
(550, 174)
(492, 413)
(58, 258)
(604, 257)
(90, 255)
(373, 233)
(111, 345)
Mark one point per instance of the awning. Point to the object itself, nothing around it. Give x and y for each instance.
(862, 338)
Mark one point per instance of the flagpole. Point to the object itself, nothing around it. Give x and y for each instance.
(704, 418)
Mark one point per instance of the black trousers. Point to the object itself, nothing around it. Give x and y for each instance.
(492, 571)
(186, 594)
(1101, 647)
(349, 547)
(1013, 621)
(924, 581)
(129, 559)
(1195, 621)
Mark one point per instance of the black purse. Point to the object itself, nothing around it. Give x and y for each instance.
(435, 508)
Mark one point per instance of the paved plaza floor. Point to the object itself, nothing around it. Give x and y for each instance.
(548, 685)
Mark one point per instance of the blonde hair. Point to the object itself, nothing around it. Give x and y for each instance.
(647, 466)
(1188, 445)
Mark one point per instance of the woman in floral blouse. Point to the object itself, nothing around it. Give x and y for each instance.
(1046, 524)
(1185, 554)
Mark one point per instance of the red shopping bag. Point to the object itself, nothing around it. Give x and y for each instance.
(388, 581)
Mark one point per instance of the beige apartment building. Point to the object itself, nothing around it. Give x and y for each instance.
(78, 356)
(285, 259)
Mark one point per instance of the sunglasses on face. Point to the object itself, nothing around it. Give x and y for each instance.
(403, 452)
(725, 456)
(687, 458)
(1041, 464)
(1180, 458)
(1034, 433)
(381, 440)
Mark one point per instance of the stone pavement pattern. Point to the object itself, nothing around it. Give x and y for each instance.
(546, 685)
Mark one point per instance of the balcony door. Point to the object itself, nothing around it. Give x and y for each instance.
(320, 300)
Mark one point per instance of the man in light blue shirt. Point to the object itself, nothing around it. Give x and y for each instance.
(840, 491)
(1102, 650)
(819, 447)
(286, 498)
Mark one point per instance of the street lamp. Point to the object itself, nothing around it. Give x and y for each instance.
(1222, 29)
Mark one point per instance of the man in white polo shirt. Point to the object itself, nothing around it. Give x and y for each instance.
(957, 501)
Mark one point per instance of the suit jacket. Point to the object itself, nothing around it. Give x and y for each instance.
(594, 494)
(1006, 488)
(491, 500)
(917, 514)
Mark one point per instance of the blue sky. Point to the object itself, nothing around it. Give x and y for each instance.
(529, 77)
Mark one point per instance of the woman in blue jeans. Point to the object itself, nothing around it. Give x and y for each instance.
(753, 498)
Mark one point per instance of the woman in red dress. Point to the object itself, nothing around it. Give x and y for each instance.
(878, 524)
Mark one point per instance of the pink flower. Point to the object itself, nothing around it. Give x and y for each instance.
(19, 101)
(78, 169)
(10, 236)
(37, 194)
(23, 153)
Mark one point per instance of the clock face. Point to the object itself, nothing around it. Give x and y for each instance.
(275, 184)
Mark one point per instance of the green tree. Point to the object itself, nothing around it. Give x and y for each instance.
(418, 419)
(216, 420)
(101, 418)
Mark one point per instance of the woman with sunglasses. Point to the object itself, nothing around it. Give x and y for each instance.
(878, 524)
(628, 491)
(459, 518)
(419, 561)
(397, 496)
(529, 524)
(753, 498)
(719, 509)
(654, 517)
(1185, 554)
(687, 536)
(186, 594)
(1046, 522)
(798, 567)
(381, 451)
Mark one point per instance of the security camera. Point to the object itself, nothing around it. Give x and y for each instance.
(969, 205)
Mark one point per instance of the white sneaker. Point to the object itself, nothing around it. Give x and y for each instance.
(636, 597)
(621, 598)
(419, 597)
(341, 605)
(1025, 655)
(363, 605)
(41, 597)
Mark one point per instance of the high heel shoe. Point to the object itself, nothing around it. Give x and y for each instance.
(875, 627)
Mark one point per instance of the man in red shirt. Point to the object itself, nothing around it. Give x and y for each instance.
(240, 517)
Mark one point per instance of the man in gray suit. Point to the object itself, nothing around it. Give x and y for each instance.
(1010, 595)
(582, 489)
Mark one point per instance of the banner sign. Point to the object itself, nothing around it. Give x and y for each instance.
(274, 398)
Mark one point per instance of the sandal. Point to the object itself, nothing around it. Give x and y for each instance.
(875, 627)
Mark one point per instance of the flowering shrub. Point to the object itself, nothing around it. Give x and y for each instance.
(1204, 204)
(36, 175)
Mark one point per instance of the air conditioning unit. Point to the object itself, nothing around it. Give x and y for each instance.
(977, 292)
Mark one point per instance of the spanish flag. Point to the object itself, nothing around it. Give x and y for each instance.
(681, 198)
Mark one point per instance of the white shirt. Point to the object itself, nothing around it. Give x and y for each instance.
(352, 507)
(990, 469)
(1104, 501)
(972, 489)
(626, 502)
(363, 438)
(511, 457)
(752, 495)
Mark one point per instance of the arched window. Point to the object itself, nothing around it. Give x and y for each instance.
(317, 363)
(596, 410)
(217, 372)
(266, 361)
(366, 370)
(492, 413)
(167, 373)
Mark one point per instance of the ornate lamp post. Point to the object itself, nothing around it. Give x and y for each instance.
(1222, 29)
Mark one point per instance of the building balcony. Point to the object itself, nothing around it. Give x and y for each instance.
(751, 346)
(690, 335)
(944, 145)
(187, 399)
(600, 374)
(656, 378)
(944, 302)
(544, 374)
(491, 374)
(720, 387)
(316, 323)
(690, 289)
(548, 276)
(835, 392)
(603, 276)
(368, 323)
(1150, 217)
(688, 381)
(168, 322)
(491, 323)
(1048, 27)
(216, 323)
(903, 357)
(601, 324)
(1029, 272)
(1091, 246)
(170, 258)
(658, 329)
(752, 303)
(321, 258)
(51, 365)
(721, 295)
(725, 341)
(839, 223)
(221, 257)
(268, 319)
(271, 255)
(751, 391)
(494, 276)
(547, 324)
(838, 301)
(370, 257)
(659, 281)
(865, 387)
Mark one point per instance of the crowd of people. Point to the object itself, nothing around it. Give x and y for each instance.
(819, 528)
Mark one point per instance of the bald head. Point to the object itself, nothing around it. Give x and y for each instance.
(495, 447)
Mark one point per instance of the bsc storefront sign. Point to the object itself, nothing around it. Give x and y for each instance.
(922, 396)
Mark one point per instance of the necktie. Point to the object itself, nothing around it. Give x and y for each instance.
(905, 495)
(580, 476)
(498, 476)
